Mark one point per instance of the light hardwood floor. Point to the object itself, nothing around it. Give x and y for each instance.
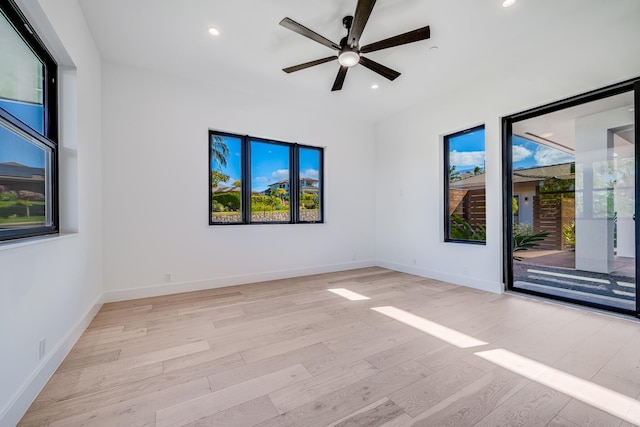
(291, 353)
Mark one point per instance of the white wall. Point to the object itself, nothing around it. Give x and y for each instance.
(595, 50)
(50, 288)
(155, 167)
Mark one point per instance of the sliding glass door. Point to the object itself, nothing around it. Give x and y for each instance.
(571, 199)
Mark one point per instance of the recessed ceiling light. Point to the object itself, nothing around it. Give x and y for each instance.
(433, 48)
(374, 86)
(546, 135)
(507, 3)
(214, 31)
(631, 109)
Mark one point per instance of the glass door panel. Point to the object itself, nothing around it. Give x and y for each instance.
(573, 204)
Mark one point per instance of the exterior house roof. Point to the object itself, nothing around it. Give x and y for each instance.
(286, 181)
(224, 189)
(12, 170)
(229, 189)
(521, 176)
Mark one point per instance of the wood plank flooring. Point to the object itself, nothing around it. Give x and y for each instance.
(292, 353)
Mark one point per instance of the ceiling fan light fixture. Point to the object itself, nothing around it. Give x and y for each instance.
(348, 58)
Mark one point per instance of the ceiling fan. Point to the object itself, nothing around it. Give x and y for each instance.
(349, 50)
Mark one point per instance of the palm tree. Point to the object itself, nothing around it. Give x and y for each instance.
(219, 151)
(220, 154)
(453, 174)
(280, 192)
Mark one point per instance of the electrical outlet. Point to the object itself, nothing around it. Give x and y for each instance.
(42, 350)
(167, 277)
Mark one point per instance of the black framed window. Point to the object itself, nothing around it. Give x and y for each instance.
(464, 201)
(254, 181)
(310, 184)
(28, 130)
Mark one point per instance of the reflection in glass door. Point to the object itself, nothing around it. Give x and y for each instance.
(573, 201)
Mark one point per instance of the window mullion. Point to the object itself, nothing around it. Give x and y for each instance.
(245, 172)
(294, 178)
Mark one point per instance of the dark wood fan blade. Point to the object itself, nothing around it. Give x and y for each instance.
(410, 37)
(304, 31)
(309, 64)
(360, 18)
(342, 73)
(379, 68)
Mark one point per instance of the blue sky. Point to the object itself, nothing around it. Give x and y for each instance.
(270, 163)
(527, 154)
(467, 152)
(15, 149)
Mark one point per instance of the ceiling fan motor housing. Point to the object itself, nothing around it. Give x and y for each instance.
(347, 21)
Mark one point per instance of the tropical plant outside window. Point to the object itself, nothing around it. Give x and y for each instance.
(28, 185)
(465, 207)
(272, 169)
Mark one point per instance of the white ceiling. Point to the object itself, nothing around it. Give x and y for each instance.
(475, 38)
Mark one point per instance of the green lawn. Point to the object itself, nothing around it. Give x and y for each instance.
(19, 219)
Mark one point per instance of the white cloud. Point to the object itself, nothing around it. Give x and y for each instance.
(520, 153)
(310, 173)
(280, 174)
(549, 156)
(466, 158)
(262, 179)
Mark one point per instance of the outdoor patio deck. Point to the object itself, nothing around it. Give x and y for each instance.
(553, 272)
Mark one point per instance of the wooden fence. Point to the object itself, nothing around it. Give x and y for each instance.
(471, 207)
(550, 213)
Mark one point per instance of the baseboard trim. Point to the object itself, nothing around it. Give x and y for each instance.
(467, 281)
(221, 282)
(13, 412)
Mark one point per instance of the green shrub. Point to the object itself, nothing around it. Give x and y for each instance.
(8, 196)
(569, 234)
(521, 229)
(230, 200)
(217, 207)
(461, 229)
(524, 239)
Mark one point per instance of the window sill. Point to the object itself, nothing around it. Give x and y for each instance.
(16, 244)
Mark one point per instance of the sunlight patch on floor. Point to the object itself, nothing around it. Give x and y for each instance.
(435, 329)
(615, 403)
(350, 295)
